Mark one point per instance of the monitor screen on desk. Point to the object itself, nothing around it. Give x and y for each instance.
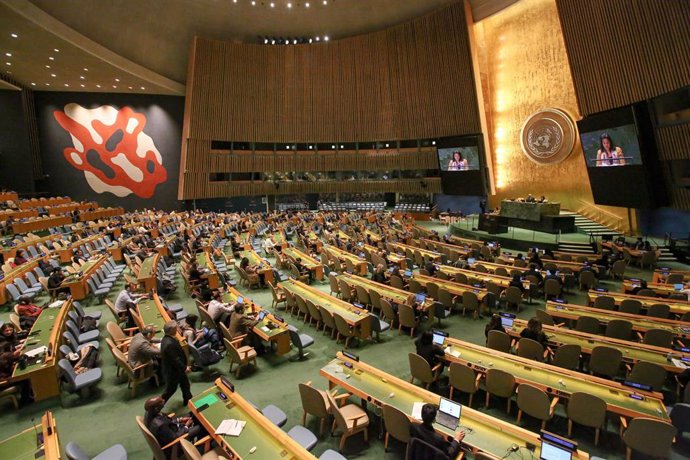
(553, 452)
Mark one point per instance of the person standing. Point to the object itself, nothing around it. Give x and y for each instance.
(174, 366)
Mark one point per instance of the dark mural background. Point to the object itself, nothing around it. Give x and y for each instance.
(163, 123)
(15, 164)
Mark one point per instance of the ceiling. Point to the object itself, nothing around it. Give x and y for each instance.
(145, 43)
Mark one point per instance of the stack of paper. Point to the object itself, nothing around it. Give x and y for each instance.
(230, 427)
(678, 363)
(417, 410)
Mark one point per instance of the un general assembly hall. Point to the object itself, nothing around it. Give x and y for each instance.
(344, 229)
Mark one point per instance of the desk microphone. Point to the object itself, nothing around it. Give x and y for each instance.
(33, 424)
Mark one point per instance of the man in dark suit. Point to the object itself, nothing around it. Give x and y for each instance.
(431, 268)
(425, 431)
(174, 364)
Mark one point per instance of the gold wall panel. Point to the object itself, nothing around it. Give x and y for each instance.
(524, 69)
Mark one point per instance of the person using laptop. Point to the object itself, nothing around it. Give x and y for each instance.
(427, 349)
(534, 331)
(425, 431)
(494, 324)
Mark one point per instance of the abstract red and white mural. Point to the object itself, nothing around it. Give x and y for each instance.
(110, 146)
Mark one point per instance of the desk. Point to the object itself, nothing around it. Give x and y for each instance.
(502, 281)
(66, 208)
(270, 441)
(46, 332)
(45, 202)
(152, 313)
(354, 316)
(40, 223)
(488, 434)
(17, 272)
(678, 307)
(279, 334)
(22, 446)
(205, 261)
(548, 378)
(147, 273)
(660, 275)
(396, 295)
(77, 285)
(528, 211)
(447, 249)
(640, 323)
(359, 263)
(315, 241)
(35, 242)
(375, 237)
(661, 289)
(308, 261)
(632, 351)
(9, 196)
(101, 213)
(67, 252)
(456, 289)
(279, 239)
(411, 250)
(17, 214)
(263, 266)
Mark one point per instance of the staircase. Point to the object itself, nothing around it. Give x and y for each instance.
(578, 248)
(590, 227)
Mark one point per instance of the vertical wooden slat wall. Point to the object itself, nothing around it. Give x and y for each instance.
(625, 51)
(412, 81)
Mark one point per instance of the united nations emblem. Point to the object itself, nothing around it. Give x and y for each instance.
(548, 136)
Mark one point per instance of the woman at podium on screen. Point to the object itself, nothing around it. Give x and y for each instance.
(457, 163)
(609, 154)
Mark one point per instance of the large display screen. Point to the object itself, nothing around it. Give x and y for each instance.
(458, 158)
(614, 146)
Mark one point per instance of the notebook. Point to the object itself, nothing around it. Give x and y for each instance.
(230, 427)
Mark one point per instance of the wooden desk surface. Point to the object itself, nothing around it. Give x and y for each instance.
(440, 246)
(488, 434)
(307, 260)
(22, 446)
(640, 323)
(433, 255)
(261, 328)
(398, 296)
(270, 441)
(660, 275)
(40, 223)
(9, 196)
(558, 381)
(456, 289)
(632, 351)
(502, 281)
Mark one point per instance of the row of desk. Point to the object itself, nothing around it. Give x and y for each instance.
(678, 307)
(26, 445)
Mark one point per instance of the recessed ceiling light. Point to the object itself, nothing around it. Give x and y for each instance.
(56, 50)
(325, 2)
(289, 5)
(82, 85)
(8, 63)
(98, 86)
(51, 58)
(129, 87)
(47, 84)
(33, 84)
(53, 75)
(66, 84)
(318, 39)
(14, 35)
(325, 38)
(85, 69)
(8, 72)
(306, 5)
(253, 3)
(234, 1)
(47, 66)
(272, 4)
(8, 54)
(143, 87)
(82, 77)
(117, 79)
(114, 86)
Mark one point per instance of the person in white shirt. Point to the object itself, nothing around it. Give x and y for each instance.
(686, 290)
(269, 245)
(220, 311)
(125, 300)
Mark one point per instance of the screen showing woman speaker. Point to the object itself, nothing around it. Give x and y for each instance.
(615, 146)
(458, 158)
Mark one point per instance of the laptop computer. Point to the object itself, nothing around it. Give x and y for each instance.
(471, 260)
(448, 414)
(439, 338)
(550, 451)
(420, 298)
(262, 315)
(408, 273)
(240, 300)
(678, 287)
(507, 322)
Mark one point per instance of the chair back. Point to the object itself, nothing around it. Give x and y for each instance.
(397, 282)
(387, 311)
(333, 281)
(406, 316)
(618, 268)
(533, 401)
(567, 357)
(530, 349)
(498, 340)
(513, 295)
(375, 299)
(649, 374)
(420, 368)
(302, 305)
(605, 302)
(651, 437)
(414, 286)
(658, 338)
(190, 451)
(544, 317)
(470, 301)
(674, 278)
(586, 409)
(462, 378)
(396, 423)
(345, 292)
(619, 329)
(313, 400)
(231, 351)
(587, 279)
(680, 417)
(340, 420)
(313, 310)
(158, 453)
(605, 361)
(631, 306)
(552, 288)
(342, 326)
(362, 295)
(432, 290)
(115, 331)
(659, 310)
(419, 449)
(67, 372)
(500, 383)
(588, 324)
(326, 317)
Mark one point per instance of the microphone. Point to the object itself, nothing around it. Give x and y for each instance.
(33, 424)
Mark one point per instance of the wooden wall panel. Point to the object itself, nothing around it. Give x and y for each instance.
(624, 51)
(674, 142)
(412, 81)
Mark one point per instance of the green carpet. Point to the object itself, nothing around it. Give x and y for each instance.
(107, 417)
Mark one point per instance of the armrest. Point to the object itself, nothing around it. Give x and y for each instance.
(142, 366)
(553, 404)
(639, 336)
(547, 352)
(477, 379)
(628, 367)
(246, 353)
(206, 441)
(175, 442)
(559, 324)
(436, 368)
(238, 339)
(624, 424)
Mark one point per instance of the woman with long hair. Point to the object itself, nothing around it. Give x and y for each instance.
(609, 154)
(457, 162)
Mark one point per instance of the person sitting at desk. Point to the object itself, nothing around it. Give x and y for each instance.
(534, 331)
(126, 301)
(494, 324)
(28, 312)
(427, 349)
(536, 260)
(426, 432)
(639, 287)
(552, 276)
(21, 257)
(55, 281)
(10, 339)
(268, 245)
(534, 272)
(78, 257)
(379, 274)
(220, 311)
(141, 348)
(530, 198)
(517, 282)
(587, 267)
(430, 267)
(241, 324)
(543, 199)
(639, 244)
(303, 269)
(167, 429)
(244, 265)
